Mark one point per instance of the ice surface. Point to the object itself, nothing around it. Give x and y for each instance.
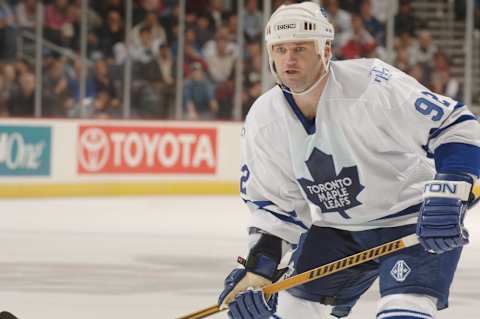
(146, 257)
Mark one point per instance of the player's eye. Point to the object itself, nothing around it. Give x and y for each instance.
(300, 49)
(280, 50)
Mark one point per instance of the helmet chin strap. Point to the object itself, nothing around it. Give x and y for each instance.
(313, 86)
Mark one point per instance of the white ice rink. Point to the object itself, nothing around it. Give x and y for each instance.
(146, 257)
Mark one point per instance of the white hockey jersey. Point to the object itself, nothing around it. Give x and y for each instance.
(362, 162)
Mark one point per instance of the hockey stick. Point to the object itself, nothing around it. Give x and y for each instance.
(7, 315)
(322, 271)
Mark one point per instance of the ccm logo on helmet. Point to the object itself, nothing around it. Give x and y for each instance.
(287, 26)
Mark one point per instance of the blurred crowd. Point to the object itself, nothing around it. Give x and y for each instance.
(210, 54)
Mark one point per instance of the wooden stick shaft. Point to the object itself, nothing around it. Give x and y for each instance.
(322, 271)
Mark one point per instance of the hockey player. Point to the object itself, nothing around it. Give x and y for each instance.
(342, 156)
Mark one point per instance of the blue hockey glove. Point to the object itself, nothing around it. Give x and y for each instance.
(260, 274)
(445, 201)
(260, 270)
(251, 304)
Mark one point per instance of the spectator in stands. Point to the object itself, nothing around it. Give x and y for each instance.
(252, 75)
(252, 21)
(144, 51)
(164, 84)
(358, 42)
(94, 22)
(6, 87)
(477, 14)
(104, 107)
(253, 49)
(74, 104)
(198, 96)
(7, 31)
(190, 20)
(405, 21)
(224, 94)
(192, 53)
(104, 82)
(217, 12)
(203, 31)
(55, 88)
(252, 81)
(3, 99)
(441, 80)
(352, 6)
(22, 67)
(157, 32)
(405, 40)
(402, 60)
(251, 95)
(26, 13)
(145, 72)
(418, 72)
(165, 62)
(444, 84)
(341, 20)
(169, 20)
(155, 6)
(252, 64)
(104, 7)
(59, 19)
(461, 12)
(9, 80)
(191, 40)
(221, 58)
(423, 50)
(232, 23)
(22, 100)
(197, 6)
(371, 23)
(382, 9)
(111, 36)
(154, 96)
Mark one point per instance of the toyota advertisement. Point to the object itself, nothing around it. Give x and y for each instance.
(146, 150)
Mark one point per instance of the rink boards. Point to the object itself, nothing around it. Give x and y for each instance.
(82, 157)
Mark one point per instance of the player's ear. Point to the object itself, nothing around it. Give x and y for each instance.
(328, 51)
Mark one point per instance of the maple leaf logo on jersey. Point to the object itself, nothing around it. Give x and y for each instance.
(329, 191)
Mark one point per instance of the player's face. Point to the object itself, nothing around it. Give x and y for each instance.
(298, 64)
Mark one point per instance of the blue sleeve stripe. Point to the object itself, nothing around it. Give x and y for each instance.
(461, 119)
(407, 211)
(287, 219)
(262, 203)
(458, 105)
(458, 158)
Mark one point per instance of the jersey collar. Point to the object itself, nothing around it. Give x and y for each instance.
(308, 125)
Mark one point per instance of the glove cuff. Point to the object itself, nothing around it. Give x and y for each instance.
(262, 265)
(455, 186)
(265, 256)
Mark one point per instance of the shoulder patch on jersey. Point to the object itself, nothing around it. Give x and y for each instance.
(329, 191)
(380, 74)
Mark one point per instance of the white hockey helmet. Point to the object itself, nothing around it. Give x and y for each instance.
(304, 21)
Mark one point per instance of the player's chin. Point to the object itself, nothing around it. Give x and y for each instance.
(297, 88)
(293, 85)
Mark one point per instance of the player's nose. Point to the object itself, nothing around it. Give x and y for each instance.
(290, 58)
